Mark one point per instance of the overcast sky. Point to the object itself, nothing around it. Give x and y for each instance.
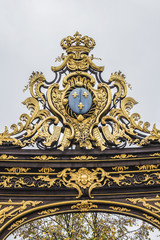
(127, 35)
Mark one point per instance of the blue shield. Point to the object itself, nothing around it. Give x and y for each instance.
(80, 100)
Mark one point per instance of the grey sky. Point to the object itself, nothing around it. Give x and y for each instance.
(127, 35)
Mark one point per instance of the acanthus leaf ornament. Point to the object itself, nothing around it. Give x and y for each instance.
(84, 111)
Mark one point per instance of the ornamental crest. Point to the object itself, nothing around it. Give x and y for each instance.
(78, 109)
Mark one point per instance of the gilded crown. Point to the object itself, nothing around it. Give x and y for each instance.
(78, 43)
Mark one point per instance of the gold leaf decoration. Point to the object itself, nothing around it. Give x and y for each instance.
(44, 158)
(152, 219)
(11, 209)
(123, 156)
(48, 211)
(46, 170)
(148, 167)
(79, 179)
(119, 209)
(84, 206)
(150, 203)
(17, 224)
(82, 178)
(17, 170)
(5, 157)
(84, 158)
(120, 168)
(155, 155)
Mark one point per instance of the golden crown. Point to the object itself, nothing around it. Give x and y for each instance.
(78, 43)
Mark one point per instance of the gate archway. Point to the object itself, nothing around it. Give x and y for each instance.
(82, 164)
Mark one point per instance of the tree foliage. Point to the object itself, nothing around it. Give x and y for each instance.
(88, 226)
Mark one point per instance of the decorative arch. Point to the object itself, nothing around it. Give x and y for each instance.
(81, 206)
(82, 129)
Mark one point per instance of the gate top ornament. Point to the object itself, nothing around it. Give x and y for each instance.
(85, 112)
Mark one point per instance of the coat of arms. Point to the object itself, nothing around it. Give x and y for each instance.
(78, 108)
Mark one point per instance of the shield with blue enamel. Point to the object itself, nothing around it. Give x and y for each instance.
(80, 100)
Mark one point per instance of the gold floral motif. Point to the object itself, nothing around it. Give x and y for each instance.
(5, 157)
(17, 170)
(84, 158)
(152, 219)
(148, 179)
(17, 224)
(120, 168)
(11, 209)
(155, 155)
(44, 158)
(123, 156)
(84, 206)
(46, 170)
(120, 209)
(48, 211)
(148, 167)
(150, 203)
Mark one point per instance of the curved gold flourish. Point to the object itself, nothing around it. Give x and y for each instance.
(152, 219)
(48, 212)
(150, 203)
(119, 209)
(5, 157)
(17, 224)
(31, 131)
(119, 124)
(17, 170)
(11, 209)
(44, 158)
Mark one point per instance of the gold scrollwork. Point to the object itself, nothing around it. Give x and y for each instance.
(17, 170)
(119, 209)
(155, 155)
(120, 168)
(80, 179)
(84, 206)
(48, 211)
(123, 156)
(5, 157)
(84, 158)
(146, 202)
(44, 158)
(17, 224)
(152, 219)
(46, 170)
(11, 209)
(148, 167)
